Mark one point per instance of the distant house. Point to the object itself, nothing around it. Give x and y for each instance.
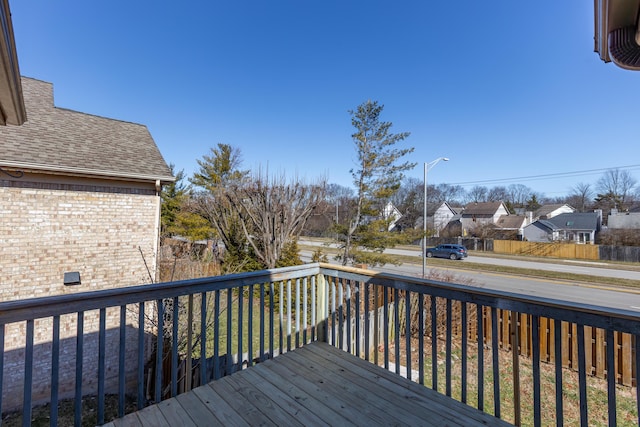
(392, 214)
(482, 213)
(443, 215)
(623, 220)
(512, 223)
(577, 227)
(551, 210)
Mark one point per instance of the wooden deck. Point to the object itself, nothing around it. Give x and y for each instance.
(314, 385)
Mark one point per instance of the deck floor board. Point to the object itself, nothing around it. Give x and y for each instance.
(315, 385)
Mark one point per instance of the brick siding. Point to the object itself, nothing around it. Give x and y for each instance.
(104, 231)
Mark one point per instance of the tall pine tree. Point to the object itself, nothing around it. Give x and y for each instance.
(377, 177)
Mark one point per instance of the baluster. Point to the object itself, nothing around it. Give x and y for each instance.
(611, 378)
(240, 326)
(434, 344)
(480, 320)
(421, 338)
(558, 356)
(141, 402)
(407, 332)
(101, 362)
(289, 315)
(463, 368)
(55, 369)
(305, 309)
(203, 338)
(77, 406)
(250, 326)
(356, 290)
(582, 377)
(535, 338)
(348, 316)
(28, 373)
(448, 334)
(216, 337)
(159, 349)
(174, 346)
(396, 328)
(496, 361)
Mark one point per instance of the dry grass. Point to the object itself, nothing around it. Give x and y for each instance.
(41, 414)
(596, 388)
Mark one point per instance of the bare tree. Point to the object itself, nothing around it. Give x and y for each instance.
(272, 212)
(336, 193)
(498, 194)
(409, 200)
(581, 196)
(616, 185)
(477, 194)
(453, 194)
(519, 194)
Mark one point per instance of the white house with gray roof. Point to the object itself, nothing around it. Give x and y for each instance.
(577, 227)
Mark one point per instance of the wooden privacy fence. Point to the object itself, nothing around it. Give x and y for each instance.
(594, 340)
(544, 249)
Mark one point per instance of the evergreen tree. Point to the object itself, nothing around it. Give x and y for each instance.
(222, 166)
(377, 177)
(172, 199)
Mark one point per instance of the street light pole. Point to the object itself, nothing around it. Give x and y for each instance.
(424, 213)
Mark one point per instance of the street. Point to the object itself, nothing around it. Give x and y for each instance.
(562, 290)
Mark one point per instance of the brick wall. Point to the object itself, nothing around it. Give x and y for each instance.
(49, 226)
(46, 229)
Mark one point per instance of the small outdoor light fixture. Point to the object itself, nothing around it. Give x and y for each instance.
(71, 278)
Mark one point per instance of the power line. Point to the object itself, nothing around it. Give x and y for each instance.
(543, 176)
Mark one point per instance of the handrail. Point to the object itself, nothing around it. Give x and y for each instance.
(34, 308)
(600, 316)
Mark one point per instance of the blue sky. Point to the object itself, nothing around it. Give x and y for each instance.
(505, 89)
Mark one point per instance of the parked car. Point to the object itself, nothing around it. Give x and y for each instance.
(447, 251)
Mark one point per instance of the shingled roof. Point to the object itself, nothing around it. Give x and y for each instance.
(481, 208)
(576, 221)
(63, 141)
(511, 222)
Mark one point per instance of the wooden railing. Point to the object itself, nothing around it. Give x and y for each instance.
(455, 339)
(106, 343)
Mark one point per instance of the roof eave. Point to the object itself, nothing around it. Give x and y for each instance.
(12, 109)
(86, 173)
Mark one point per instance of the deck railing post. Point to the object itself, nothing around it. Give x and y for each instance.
(322, 311)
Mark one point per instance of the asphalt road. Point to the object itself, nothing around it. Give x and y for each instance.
(562, 290)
